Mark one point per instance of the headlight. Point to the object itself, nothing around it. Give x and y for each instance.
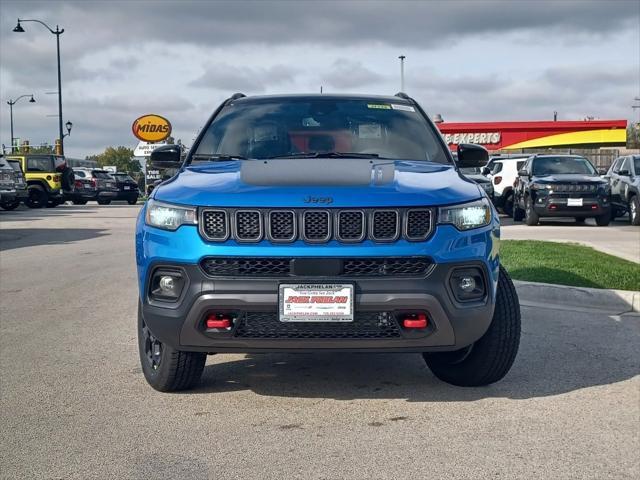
(169, 217)
(541, 186)
(466, 216)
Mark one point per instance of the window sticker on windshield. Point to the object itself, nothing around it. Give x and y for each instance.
(265, 133)
(379, 106)
(406, 108)
(369, 130)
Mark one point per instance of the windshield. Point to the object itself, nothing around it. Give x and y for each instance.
(124, 178)
(320, 127)
(15, 164)
(99, 174)
(562, 165)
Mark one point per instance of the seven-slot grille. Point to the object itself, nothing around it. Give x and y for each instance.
(567, 187)
(317, 225)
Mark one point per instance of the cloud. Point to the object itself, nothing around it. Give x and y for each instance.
(244, 79)
(467, 59)
(349, 74)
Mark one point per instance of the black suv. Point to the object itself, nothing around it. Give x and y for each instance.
(127, 188)
(624, 179)
(561, 186)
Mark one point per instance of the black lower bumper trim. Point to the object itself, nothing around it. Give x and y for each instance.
(255, 300)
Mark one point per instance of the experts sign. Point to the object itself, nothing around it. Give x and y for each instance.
(151, 128)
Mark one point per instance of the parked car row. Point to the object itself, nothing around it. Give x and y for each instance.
(530, 187)
(43, 180)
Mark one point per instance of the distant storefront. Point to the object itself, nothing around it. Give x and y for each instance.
(526, 135)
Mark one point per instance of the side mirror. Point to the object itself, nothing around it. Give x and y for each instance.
(523, 172)
(486, 170)
(472, 156)
(624, 173)
(167, 156)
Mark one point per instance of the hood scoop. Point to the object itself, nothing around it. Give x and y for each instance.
(317, 171)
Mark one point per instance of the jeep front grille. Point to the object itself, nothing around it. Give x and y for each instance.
(214, 224)
(379, 225)
(346, 267)
(248, 225)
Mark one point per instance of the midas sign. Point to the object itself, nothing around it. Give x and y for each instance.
(151, 128)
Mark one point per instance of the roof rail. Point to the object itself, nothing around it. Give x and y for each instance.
(403, 95)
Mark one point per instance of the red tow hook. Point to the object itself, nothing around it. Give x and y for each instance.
(415, 321)
(214, 322)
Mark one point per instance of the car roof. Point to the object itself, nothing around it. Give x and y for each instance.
(321, 96)
(567, 155)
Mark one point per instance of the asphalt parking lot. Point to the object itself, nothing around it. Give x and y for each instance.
(75, 404)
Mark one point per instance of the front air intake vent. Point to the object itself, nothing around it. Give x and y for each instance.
(385, 225)
(248, 225)
(214, 225)
(316, 226)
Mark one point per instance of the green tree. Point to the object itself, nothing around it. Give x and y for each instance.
(120, 157)
(633, 135)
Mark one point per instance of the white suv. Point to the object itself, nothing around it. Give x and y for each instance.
(503, 172)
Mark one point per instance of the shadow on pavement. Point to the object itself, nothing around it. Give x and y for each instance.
(555, 358)
(12, 238)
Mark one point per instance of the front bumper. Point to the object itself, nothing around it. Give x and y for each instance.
(8, 194)
(452, 325)
(107, 194)
(558, 206)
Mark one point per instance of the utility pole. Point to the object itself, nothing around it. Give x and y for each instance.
(402, 57)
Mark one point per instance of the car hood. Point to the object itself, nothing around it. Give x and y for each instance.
(317, 182)
(476, 177)
(569, 178)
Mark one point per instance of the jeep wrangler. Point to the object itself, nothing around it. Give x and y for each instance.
(307, 223)
(48, 178)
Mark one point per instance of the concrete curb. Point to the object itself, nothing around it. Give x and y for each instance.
(619, 301)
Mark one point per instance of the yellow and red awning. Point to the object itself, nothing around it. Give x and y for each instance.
(548, 134)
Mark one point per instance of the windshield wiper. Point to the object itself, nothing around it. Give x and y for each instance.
(218, 156)
(328, 155)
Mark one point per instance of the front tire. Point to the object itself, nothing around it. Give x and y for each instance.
(634, 210)
(38, 198)
(12, 205)
(518, 213)
(603, 220)
(489, 359)
(531, 218)
(132, 201)
(164, 368)
(508, 205)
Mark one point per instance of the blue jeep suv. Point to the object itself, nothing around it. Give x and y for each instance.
(308, 223)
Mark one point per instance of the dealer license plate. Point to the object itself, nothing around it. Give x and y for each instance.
(316, 302)
(574, 202)
(127, 187)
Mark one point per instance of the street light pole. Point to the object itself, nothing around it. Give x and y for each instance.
(11, 104)
(57, 32)
(402, 57)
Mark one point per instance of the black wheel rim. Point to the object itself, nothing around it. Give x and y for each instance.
(35, 198)
(152, 348)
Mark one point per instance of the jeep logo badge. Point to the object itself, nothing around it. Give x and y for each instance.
(322, 200)
(151, 128)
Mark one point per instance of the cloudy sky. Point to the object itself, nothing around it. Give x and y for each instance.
(468, 60)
